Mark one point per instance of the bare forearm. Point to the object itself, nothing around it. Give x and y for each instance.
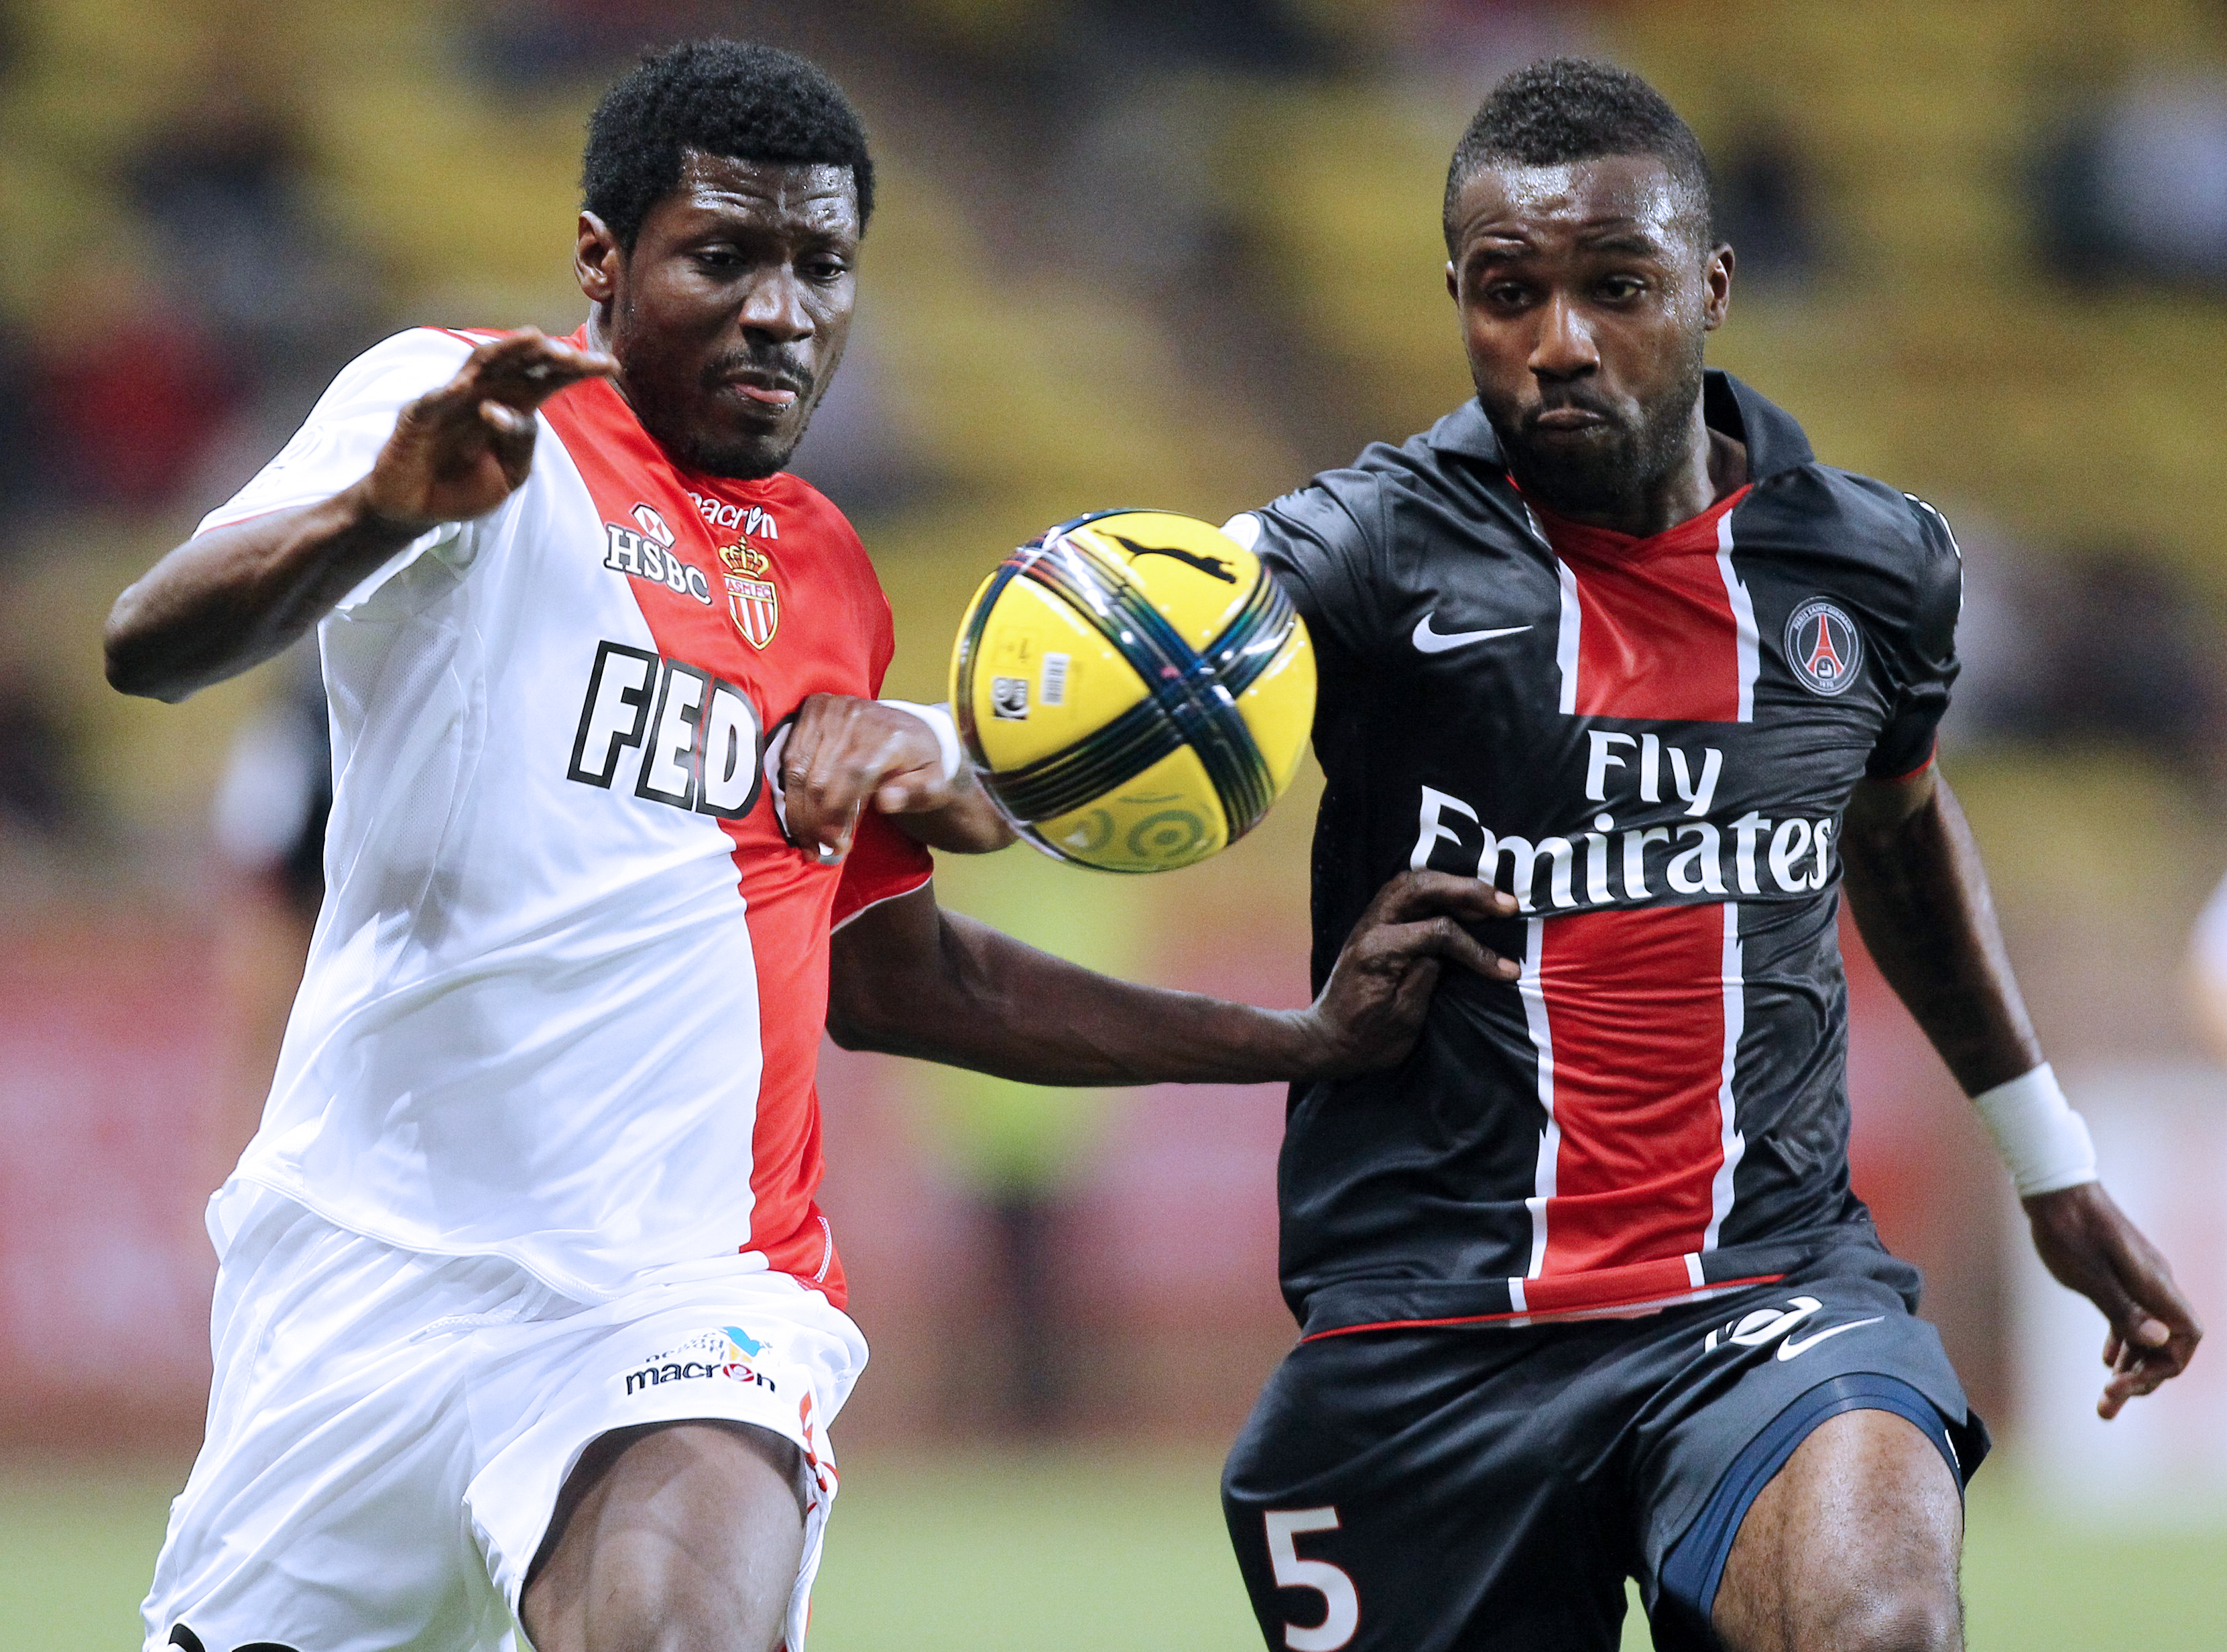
(1921, 900)
(235, 595)
(993, 1004)
(230, 597)
(968, 825)
(908, 978)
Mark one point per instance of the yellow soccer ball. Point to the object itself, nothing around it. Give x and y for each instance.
(1134, 688)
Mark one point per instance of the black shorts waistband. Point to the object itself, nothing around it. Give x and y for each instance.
(1359, 1306)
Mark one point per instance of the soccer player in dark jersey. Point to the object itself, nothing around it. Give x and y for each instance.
(1584, 1289)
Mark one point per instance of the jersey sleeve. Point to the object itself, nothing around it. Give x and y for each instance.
(1315, 543)
(1924, 659)
(883, 864)
(336, 446)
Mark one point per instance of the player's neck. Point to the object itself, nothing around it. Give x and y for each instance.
(1712, 466)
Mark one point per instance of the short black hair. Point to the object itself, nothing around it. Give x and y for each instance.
(1564, 109)
(722, 96)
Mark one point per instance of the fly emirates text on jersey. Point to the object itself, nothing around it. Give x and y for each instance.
(1613, 864)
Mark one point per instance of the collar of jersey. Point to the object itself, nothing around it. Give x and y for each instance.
(1775, 442)
(1584, 542)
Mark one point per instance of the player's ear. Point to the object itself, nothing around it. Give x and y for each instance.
(1453, 283)
(1717, 273)
(596, 258)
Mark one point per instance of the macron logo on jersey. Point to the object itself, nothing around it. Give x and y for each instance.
(697, 735)
(645, 550)
(751, 521)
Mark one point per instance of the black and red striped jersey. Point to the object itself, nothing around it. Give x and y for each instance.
(1650, 742)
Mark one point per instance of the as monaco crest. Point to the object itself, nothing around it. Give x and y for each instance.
(751, 597)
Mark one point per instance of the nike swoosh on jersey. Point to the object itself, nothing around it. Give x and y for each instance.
(1795, 1346)
(1432, 641)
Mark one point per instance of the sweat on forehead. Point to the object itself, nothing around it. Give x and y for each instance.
(806, 188)
(1605, 193)
(1568, 110)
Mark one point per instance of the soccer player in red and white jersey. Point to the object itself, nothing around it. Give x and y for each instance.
(526, 1316)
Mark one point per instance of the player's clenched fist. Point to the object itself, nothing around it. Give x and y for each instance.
(460, 451)
(1371, 1009)
(843, 753)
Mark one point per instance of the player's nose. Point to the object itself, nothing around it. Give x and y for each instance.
(775, 306)
(1563, 347)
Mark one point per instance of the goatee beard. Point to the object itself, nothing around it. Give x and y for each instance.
(1615, 475)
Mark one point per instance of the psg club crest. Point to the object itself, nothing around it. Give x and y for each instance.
(751, 597)
(1823, 647)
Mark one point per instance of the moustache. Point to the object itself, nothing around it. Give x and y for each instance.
(769, 370)
(1570, 400)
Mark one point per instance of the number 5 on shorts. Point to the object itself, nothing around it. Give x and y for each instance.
(1341, 1606)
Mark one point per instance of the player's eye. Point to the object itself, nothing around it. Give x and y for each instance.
(1620, 288)
(824, 270)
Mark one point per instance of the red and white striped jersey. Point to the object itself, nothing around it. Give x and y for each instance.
(565, 999)
(1650, 742)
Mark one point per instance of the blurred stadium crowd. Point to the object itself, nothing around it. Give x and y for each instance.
(1150, 252)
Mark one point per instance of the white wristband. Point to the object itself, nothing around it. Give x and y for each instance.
(947, 731)
(2040, 1137)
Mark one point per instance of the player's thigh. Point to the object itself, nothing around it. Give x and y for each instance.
(325, 1509)
(685, 1535)
(1787, 1375)
(1854, 1545)
(1423, 1491)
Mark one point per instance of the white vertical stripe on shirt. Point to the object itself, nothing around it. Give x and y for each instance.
(1534, 993)
(1566, 641)
(1744, 629)
(1729, 1140)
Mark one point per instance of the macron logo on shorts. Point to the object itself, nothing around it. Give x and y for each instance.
(727, 1352)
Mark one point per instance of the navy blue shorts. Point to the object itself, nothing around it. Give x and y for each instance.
(1472, 1488)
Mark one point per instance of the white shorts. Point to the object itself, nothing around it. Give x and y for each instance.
(388, 1430)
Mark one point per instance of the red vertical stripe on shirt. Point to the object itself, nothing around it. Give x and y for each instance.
(1635, 1001)
(833, 638)
(1657, 636)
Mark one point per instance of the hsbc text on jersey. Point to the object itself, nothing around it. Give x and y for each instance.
(627, 552)
(698, 735)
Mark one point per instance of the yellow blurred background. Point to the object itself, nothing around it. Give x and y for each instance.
(1157, 254)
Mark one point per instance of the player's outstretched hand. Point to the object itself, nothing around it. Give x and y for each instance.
(459, 451)
(1372, 1007)
(844, 753)
(2090, 1244)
